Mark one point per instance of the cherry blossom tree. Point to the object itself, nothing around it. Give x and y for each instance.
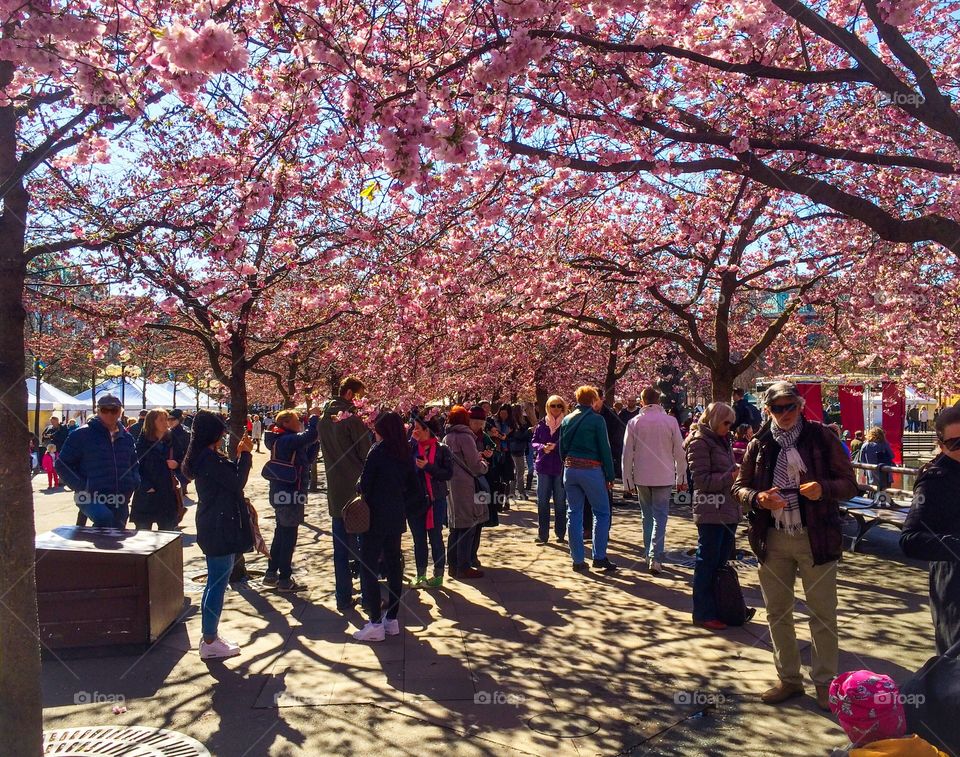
(68, 78)
(851, 105)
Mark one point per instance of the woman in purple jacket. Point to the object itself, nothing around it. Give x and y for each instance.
(549, 468)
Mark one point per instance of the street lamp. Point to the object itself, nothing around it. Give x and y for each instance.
(122, 369)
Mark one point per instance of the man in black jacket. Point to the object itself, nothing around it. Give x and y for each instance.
(56, 433)
(747, 412)
(179, 440)
(137, 428)
(932, 529)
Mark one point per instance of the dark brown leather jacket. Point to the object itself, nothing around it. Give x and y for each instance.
(827, 463)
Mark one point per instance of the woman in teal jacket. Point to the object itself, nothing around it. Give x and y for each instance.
(587, 475)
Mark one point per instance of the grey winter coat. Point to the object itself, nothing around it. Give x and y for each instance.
(710, 459)
(465, 509)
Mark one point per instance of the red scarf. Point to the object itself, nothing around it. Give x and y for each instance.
(428, 451)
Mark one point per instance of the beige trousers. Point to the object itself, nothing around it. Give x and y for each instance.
(786, 557)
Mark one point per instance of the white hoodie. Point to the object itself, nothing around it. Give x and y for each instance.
(653, 453)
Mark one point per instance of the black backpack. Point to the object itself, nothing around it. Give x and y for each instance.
(731, 609)
(933, 701)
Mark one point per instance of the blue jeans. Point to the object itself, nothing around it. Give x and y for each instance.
(104, 509)
(713, 549)
(587, 485)
(211, 603)
(548, 485)
(654, 507)
(346, 547)
(421, 534)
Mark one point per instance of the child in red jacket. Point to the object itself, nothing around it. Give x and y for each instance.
(49, 460)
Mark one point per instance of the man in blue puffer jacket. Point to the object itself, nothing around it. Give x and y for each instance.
(289, 442)
(99, 462)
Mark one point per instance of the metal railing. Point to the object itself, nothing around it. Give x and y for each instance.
(902, 480)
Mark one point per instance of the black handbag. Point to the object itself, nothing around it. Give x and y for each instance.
(279, 471)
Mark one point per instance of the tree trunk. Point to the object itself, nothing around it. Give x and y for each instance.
(542, 396)
(21, 716)
(239, 406)
(610, 379)
(721, 382)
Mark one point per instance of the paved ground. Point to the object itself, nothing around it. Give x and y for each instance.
(532, 659)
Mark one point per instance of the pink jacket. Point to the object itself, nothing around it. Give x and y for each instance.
(653, 453)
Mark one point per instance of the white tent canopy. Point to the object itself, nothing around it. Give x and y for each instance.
(51, 398)
(132, 394)
(187, 396)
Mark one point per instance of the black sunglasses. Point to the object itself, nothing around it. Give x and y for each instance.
(951, 444)
(556, 405)
(781, 409)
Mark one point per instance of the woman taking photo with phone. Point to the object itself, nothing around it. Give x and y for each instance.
(290, 444)
(223, 521)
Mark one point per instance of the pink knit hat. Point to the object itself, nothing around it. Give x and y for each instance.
(868, 706)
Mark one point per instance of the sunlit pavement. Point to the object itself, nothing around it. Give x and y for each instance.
(531, 659)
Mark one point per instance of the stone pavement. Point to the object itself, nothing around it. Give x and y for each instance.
(532, 659)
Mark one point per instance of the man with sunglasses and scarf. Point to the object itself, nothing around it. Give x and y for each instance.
(932, 528)
(793, 475)
(99, 462)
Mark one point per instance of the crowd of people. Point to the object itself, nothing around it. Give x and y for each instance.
(448, 476)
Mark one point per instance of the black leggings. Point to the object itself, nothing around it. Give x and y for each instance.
(373, 546)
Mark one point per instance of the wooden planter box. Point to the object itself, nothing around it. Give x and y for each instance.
(101, 587)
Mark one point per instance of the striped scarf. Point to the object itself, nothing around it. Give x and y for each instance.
(786, 475)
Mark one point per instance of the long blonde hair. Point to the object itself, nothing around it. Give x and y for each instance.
(715, 414)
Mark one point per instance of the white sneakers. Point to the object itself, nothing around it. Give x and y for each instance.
(390, 627)
(370, 632)
(378, 631)
(218, 648)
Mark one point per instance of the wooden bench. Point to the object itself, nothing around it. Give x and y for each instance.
(869, 512)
